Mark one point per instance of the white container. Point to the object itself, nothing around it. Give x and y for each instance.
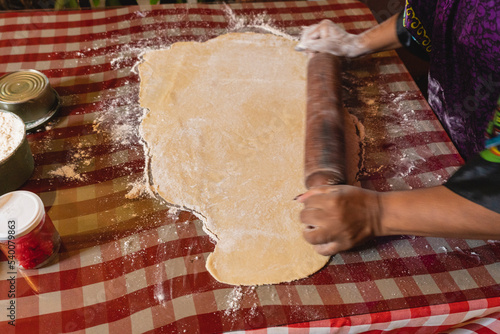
(27, 235)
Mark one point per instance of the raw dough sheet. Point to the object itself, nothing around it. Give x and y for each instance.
(225, 129)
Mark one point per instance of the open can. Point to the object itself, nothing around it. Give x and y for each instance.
(29, 95)
(27, 235)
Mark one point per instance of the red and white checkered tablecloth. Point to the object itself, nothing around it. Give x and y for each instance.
(132, 265)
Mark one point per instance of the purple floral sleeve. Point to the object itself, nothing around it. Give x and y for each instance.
(463, 42)
(418, 24)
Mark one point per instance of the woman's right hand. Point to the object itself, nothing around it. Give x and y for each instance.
(328, 37)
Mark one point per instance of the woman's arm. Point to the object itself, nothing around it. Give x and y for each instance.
(337, 218)
(329, 37)
(437, 212)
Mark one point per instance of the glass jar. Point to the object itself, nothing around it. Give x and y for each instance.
(27, 235)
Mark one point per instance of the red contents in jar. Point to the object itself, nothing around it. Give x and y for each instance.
(38, 245)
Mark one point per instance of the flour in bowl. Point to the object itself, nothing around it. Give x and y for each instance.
(11, 134)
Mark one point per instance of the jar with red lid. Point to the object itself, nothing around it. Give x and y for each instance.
(27, 235)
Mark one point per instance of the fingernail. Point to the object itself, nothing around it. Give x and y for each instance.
(296, 198)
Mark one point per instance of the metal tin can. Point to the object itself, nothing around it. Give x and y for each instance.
(16, 160)
(29, 95)
(27, 235)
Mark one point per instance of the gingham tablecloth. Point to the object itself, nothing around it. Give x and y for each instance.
(131, 265)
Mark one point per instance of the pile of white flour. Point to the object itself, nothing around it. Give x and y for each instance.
(11, 134)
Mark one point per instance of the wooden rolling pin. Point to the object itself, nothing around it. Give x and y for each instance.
(325, 143)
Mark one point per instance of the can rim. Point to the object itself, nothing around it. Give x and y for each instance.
(29, 98)
(48, 116)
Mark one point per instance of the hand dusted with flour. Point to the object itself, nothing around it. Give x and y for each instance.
(225, 130)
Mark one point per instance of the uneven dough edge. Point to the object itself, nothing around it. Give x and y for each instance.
(159, 101)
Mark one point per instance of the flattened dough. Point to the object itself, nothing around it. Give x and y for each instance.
(225, 130)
